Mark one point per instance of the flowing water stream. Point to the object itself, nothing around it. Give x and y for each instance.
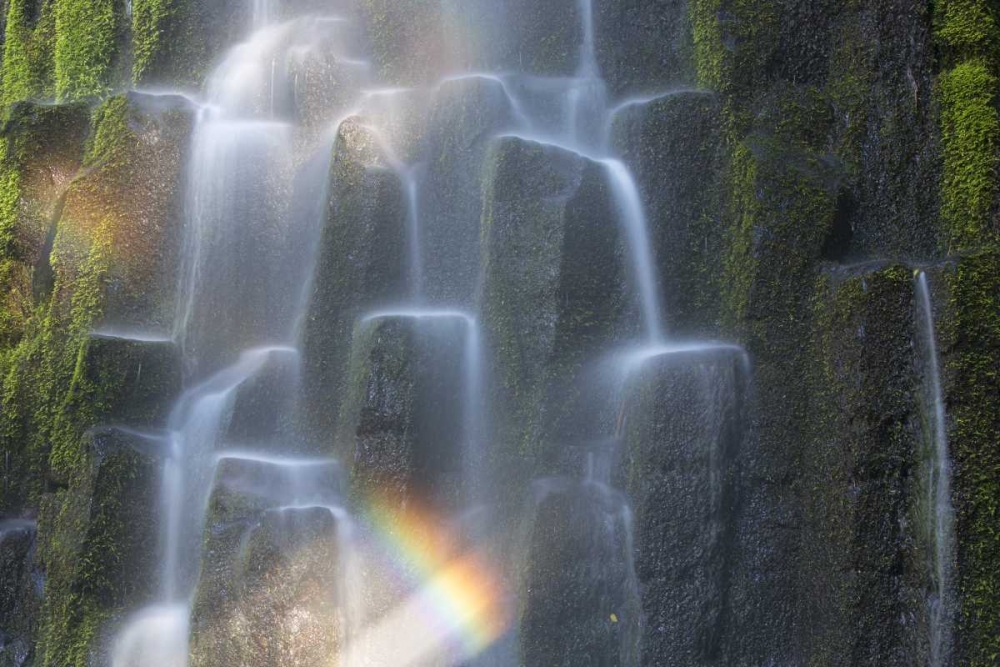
(256, 204)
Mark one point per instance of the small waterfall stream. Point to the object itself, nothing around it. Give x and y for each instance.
(940, 515)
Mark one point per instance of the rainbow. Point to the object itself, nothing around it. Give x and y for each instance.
(459, 598)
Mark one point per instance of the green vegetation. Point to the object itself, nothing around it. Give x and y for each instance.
(28, 52)
(86, 47)
(970, 136)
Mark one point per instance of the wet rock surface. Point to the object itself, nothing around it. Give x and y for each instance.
(269, 591)
(362, 264)
(683, 422)
(403, 419)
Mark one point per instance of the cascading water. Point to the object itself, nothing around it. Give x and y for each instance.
(254, 210)
(940, 515)
(247, 251)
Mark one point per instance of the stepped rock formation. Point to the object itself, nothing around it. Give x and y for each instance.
(499, 332)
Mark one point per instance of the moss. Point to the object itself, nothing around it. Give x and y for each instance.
(783, 206)
(860, 505)
(86, 46)
(970, 135)
(709, 50)
(974, 332)
(150, 21)
(968, 28)
(734, 41)
(28, 52)
(174, 41)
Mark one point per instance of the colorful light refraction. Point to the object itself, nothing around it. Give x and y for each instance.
(458, 608)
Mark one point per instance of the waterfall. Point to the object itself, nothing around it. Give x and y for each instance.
(256, 204)
(247, 253)
(940, 514)
(633, 217)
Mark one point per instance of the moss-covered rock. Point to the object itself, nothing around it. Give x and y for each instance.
(43, 150)
(361, 265)
(108, 229)
(970, 349)
(89, 45)
(29, 51)
(174, 42)
(130, 192)
(970, 136)
(864, 501)
(97, 547)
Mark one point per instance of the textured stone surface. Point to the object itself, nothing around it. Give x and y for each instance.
(682, 429)
(268, 593)
(403, 421)
(673, 146)
(579, 606)
(97, 547)
(20, 591)
(465, 115)
(362, 265)
(859, 539)
(644, 46)
(553, 297)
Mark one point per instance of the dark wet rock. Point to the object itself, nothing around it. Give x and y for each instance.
(132, 382)
(672, 145)
(465, 116)
(20, 591)
(264, 405)
(859, 541)
(362, 265)
(579, 601)
(269, 589)
(554, 295)
(644, 47)
(682, 422)
(540, 38)
(404, 416)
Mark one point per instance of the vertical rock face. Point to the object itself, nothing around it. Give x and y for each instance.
(404, 415)
(796, 160)
(644, 47)
(20, 594)
(362, 265)
(538, 201)
(683, 423)
(580, 603)
(860, 537)
(465, 115)
(673, 144)
(270, 582)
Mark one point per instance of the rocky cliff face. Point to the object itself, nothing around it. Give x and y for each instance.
(798, 161)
